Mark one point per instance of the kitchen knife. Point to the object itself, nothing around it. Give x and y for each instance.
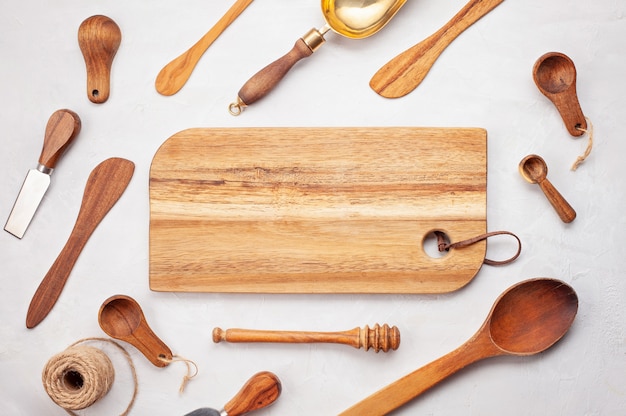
(63, 126)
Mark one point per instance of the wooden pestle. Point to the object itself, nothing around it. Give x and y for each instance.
(379, 337)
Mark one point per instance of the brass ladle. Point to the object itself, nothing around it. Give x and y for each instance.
(526, 319)
(354, 19)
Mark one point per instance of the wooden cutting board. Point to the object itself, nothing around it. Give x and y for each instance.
(316, 210)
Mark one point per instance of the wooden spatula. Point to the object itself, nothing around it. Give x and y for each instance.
(105, 186)
(406, 71)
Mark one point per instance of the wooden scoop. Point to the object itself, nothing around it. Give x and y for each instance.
(349, 18)
(526, 319)
(555, 75)
(175, 74)
(406, 71)
(260, 391)
(99, 37)
(121, 317)
(104, 187)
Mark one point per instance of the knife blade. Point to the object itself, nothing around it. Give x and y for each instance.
(62, 128)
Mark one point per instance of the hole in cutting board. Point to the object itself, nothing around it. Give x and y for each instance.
(430, 245)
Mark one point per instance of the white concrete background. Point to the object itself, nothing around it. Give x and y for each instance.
(482, 80)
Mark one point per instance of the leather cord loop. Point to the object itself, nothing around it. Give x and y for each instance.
(443, 245)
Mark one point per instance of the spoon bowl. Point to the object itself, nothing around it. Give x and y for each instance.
(354, 19)
(535, 170)
(121, 317)
(554, 74)
(526, 319)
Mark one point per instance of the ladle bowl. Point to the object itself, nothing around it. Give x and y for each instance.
(354, 19)
(526, 319)
(121, 317)
(535, 170)
(554, 74)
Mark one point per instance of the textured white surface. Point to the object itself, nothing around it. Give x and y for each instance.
(482, 80)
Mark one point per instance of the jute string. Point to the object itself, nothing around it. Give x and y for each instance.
(190, 374)
(81, 375)
(589, 131)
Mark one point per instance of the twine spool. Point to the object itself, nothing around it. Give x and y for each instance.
(81, 375)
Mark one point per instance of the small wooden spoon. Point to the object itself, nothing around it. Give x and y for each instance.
(555, 75)
(526, 319)
(121, 317)
(406, 71)
(535, 170)
(99, 37)
(175, 74)
(106, 184)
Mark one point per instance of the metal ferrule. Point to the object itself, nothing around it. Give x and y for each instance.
(313, 39)
(44, 169)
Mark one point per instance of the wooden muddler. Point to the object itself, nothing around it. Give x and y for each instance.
(379, 337)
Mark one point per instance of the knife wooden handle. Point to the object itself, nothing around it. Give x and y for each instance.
(61, 130)
(261, 390)
(105, 186)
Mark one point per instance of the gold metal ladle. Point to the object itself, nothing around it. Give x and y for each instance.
(354, 19)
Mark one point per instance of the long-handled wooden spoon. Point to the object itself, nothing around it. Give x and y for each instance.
(406, 71)
(526, 319)
(175, 74)
(106, 184)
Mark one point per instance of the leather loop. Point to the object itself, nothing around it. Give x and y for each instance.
(444, 245)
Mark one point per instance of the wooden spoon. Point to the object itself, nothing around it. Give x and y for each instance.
(555, 75)
(535, 170)
(175, 74)
(406, 71)
(526, 319)
(99, 38)
(106, 184)
(349, 18)
(121, 317)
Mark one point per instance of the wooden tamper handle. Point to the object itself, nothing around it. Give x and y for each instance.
(379, 337)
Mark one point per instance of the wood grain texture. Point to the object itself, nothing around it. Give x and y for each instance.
(260, 391)
(316, 210)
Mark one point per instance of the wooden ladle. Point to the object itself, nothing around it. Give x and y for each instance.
(349, 18)
(555, 75)
(526, 319)
(535, 170)
(121, 317)
(99, 38)
(406, 71)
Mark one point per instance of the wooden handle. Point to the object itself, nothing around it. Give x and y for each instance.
(412, 385)
(267, 78)
(379, 337)
(406, 71)
(176, 73)
(562, 207)
(260, 391)
(99, 38)
(151, 346)
(104, 187)
(61, 130)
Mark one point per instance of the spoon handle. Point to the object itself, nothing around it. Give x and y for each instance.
(412, 385)
(406, 71)
(268, 78)
(176, 73)
(260, 391)
(562, 207)
(104, 187)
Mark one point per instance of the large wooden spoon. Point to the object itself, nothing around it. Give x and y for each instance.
(406, 71)
(106, 184)
(175, 74)
(526, 319)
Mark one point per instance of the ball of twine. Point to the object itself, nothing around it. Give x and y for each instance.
(81, 375)
(78, 377)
